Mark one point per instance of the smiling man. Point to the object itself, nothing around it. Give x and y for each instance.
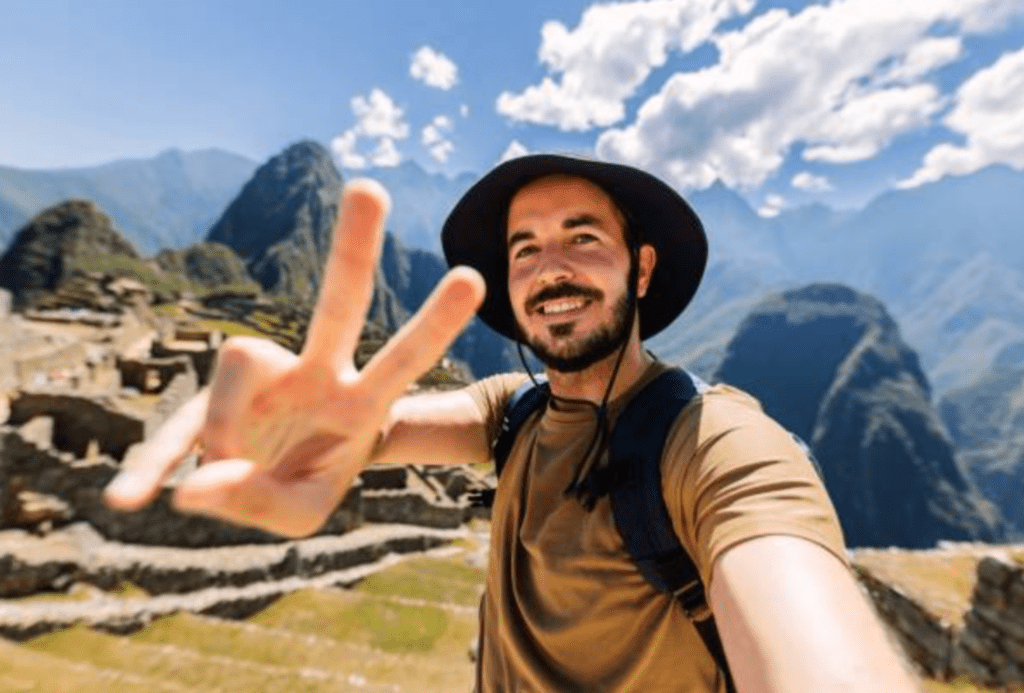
(582, 261)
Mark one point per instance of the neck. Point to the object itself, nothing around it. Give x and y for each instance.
(591, 383)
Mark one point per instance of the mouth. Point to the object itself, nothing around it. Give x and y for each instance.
(562, 307)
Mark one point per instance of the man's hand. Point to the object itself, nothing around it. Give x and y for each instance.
(283, 436)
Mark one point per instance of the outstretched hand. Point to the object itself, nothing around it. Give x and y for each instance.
(282, 437)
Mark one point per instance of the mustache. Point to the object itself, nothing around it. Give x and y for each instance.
(563, 290)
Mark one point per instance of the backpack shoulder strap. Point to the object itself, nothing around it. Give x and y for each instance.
(527, 399)
(639, 507)
(637, 502)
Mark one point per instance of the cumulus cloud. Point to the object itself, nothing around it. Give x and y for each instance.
(380, 123)
(989, 113)
(464, 110)
(434, 69)
(434, 139)
(601, 62)
(514, 150)
(805, 180)
(773, 204)
(837, 83)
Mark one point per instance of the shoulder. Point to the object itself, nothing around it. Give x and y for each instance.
(731, 472)
(491, 395)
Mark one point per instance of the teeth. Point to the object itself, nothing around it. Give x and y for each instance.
(560, 307)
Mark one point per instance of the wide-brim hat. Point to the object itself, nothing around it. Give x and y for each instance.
(474, 234)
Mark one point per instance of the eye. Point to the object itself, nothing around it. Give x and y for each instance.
(581, 238)
(524, 251)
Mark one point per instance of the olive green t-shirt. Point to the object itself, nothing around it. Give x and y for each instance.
(565, 607)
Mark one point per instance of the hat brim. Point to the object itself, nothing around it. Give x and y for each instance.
(475, 231)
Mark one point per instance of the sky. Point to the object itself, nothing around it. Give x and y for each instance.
(790, 102)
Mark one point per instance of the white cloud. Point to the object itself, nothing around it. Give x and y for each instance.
(514, 150)
(380, 123)
(805, 180)
(838, 81)
(612, 51)
(464, 110)
(434, 69)
(773, 204)
(989, 113)
(433, 138)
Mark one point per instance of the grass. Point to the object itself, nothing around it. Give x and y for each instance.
(408, 627)
(404, 629)
(229, 328)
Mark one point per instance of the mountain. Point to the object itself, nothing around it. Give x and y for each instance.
(208, 265)
(72, 236)
(829, 364)
(168, 201)
(986, 420)
(281, 224)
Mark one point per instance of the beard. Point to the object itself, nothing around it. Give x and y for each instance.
(592, 349)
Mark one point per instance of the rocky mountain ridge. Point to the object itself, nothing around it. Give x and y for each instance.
(829, 364)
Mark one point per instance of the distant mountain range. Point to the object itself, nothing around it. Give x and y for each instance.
(169, 201)
(946, 259)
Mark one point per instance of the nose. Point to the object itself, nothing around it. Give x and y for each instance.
(553, 268)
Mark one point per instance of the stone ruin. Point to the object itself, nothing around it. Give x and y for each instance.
(987, 649)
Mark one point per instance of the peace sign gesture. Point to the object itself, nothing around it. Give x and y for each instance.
(284, 436)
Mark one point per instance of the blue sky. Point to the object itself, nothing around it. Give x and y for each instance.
(787, 101)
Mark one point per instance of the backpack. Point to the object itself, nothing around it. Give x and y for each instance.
(637, 503)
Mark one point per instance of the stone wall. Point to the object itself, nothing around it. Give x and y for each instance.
(988, 649)
(990, 646)
(151, 375)
(79, 420)
(181, 389)
(79, 484)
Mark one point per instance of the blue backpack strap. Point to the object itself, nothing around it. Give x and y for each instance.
(639, 507)
(526, 399)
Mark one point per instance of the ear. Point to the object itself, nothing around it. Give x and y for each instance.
(648, 259)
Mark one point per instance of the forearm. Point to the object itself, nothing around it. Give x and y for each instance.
(439, 429)
(802, 625)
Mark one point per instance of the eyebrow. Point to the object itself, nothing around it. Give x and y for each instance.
(570, 223)
(581, 220)
(520, 236)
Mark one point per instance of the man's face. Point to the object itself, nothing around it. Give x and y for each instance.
(568, 267)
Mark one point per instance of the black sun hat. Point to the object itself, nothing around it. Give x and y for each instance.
(475, 231)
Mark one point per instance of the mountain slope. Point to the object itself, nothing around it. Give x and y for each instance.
(829, 364)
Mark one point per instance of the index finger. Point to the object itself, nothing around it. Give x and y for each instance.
(347, 287)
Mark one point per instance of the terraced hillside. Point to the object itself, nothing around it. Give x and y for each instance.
(405, 628)
(404, 623)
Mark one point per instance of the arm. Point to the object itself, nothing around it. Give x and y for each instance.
(792, 618)
(442, 428)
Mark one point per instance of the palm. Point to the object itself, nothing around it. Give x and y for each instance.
(283, 436)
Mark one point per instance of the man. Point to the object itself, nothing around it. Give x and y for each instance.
(583, 259)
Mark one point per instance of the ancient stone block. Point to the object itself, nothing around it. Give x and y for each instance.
(79, 420)
(381, 476)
